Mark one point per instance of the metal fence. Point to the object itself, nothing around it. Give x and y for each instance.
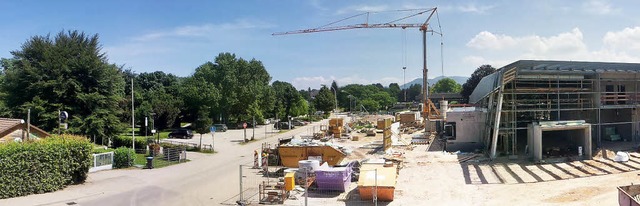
(260, 187)
(177, 154)
(102, 161)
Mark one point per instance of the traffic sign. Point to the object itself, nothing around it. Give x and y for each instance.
(244, 125)
(212, 128)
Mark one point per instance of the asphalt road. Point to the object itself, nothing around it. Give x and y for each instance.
(208, 179)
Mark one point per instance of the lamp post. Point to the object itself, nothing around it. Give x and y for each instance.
(153, 127)
(335, 95)
(404, 79)
(350, 96)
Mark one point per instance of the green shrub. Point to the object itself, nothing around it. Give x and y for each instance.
(101, 150)
(43, 166)
(123, 157)
(125, 141)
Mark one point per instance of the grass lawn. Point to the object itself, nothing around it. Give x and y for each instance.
(158, 162)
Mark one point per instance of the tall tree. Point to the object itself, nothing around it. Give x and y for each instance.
(67, 72)
(243, 84)
(160, 96)
(395, 92)
(446, 85)
(325, 100)
(472, 82)
(286, 98)
(199, 96)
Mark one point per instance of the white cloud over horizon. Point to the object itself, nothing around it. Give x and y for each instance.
(501, 49)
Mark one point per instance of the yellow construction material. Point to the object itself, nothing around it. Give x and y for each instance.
(289, 181)
(290, 155)
(384, 123)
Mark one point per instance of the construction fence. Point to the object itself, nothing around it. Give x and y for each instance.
(270, 186)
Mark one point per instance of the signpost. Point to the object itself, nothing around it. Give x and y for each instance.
(244, 125)
(213, 140)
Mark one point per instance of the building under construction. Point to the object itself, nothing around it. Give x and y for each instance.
(547, 108)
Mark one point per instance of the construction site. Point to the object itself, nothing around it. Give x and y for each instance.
(531, 123)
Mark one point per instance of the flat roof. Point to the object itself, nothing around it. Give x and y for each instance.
(490, 83)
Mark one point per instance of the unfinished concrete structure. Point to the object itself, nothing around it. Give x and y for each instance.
(527, 93)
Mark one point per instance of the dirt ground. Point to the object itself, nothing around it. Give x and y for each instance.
(438, 178)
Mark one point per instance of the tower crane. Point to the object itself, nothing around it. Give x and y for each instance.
(428, 110)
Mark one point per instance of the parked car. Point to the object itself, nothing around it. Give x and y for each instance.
(299, 122)
(283, 125)
(181, 133)
(221, 127)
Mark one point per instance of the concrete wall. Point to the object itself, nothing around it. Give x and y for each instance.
(535, 136)
(469, 125)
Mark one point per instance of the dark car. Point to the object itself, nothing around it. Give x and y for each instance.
(181, 133)
(221, 127)
(282, 125)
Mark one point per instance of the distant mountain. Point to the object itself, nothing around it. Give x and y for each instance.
(459, 79)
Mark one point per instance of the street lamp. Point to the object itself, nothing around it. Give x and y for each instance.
(404, 78)
(335, 95)
(153, 128)
(350, 96)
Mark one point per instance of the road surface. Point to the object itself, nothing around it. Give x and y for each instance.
(208, 179)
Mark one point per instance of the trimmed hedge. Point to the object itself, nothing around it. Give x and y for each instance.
(43, 166)
(124, 141)
(123, 157)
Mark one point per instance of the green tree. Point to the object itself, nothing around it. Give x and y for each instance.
(160, 95)
(202, 123)
(325, 100)
(370, 96)
(286, 96)
(67, 72)
(395, 92)
(413, 92)
(446, 85)
(198, 96)
(243, 84)
(472, 82)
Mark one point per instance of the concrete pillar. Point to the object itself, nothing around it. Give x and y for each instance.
(537, 143)
(587, 150)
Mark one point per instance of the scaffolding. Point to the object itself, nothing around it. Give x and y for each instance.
(602, 98)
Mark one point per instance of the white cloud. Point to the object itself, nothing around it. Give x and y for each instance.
(598, 7)
(500, 49)
(362, 8)
(627, 40)
(532, 45)
(473, 8)
(487, 40)
(204, 30)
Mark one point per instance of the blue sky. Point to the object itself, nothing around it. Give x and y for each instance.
(178, 36)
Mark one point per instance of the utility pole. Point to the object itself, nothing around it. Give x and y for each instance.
(29, 124)
(133, 127)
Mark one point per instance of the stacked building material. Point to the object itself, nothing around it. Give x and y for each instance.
(385, 126)
(336, 126)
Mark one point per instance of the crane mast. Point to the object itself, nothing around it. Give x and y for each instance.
(424, 29)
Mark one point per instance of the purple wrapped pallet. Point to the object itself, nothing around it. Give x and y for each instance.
(336, 178)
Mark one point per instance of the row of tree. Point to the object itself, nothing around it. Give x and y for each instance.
(69, 72)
